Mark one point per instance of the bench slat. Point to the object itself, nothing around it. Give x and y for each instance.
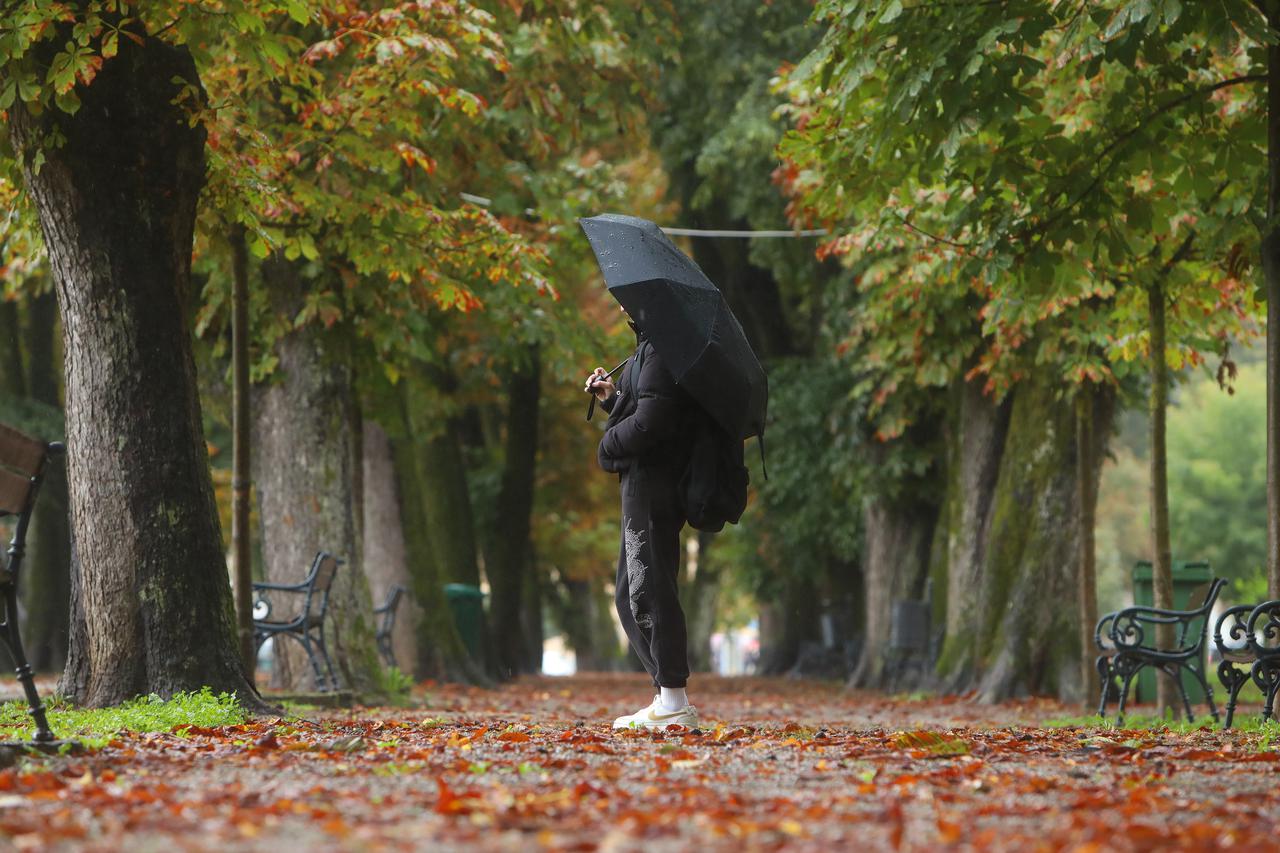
(14, 490)
(20, 452)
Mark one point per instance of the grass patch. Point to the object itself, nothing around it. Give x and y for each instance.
(298, 710)
(97, 726)
(1250, 722)
(395, 685)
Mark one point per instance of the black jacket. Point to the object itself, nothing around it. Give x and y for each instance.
(648, 418)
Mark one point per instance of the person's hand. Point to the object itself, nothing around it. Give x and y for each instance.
(600, 384)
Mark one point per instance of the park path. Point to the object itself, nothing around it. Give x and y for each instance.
(779, 764)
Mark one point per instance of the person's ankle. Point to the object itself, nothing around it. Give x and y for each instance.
(673, 698)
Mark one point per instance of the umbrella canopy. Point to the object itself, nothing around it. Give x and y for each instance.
(684, 316)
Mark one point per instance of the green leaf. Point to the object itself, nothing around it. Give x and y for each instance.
(274, 51)
(68, 101)
(28, 88)
(299, 11)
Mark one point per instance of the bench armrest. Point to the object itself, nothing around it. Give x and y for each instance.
(1263, 629)
(280, 587)
(1238, 629)
(1102, 630)
(1127, 628)
(1158, 616)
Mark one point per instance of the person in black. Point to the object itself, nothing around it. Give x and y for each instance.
(645, 443)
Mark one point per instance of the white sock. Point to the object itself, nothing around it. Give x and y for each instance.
(673, 698)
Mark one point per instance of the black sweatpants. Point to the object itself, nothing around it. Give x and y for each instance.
(648, 565)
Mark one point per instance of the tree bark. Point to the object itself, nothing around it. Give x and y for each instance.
(787, 622)
(701, 585)
(1161, 550)
(46, 582)
(975, 446)
(583, 611)
(447, 503)
(895, 566)
(531, 616)
(241, 430)
(307, 457)
(385, 557)
(508, 563)
(13, 378)
(440, 650)
(1271, 275)
(117, 201)
(1015, 635)
(1087, 495)
(1030, 644)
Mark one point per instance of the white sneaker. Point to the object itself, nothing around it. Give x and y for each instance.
(655, 716)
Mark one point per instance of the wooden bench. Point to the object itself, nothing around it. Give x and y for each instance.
(305, 622)
(1127, 640)
(386, 615)
(23, 461)
(1248, 635)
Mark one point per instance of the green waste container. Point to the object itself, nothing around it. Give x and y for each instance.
(1188, 577)
(466, 603)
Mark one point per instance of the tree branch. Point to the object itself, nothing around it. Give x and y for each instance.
(1127, 135)
(907, 222)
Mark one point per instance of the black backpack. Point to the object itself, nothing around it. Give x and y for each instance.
(713, 488)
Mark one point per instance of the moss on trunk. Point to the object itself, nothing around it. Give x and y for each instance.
(1012, 557)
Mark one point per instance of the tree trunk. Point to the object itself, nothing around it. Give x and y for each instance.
(241, 428)
(975, 446)
(508, 555)
(117, 201)
(1029, 640)
(701, 594)
(531, 617)
(1087, 495)
(583, 610)
(440, 650)
(788, 622)
(13, 378)
(46, 582)
(385, 557)
(1271, 274)
(307, 458)
(1161, 550)
(895, 566)
(447, 504)
(1012, 481)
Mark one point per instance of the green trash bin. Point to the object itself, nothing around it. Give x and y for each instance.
(1187, 578)
(466, 603)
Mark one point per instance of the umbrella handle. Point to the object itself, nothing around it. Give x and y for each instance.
(591, 407)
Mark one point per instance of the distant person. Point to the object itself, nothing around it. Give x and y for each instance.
(646, 444)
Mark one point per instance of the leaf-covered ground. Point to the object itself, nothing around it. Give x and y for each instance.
(778, 765)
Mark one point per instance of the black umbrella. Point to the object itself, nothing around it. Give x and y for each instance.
(684, 316)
